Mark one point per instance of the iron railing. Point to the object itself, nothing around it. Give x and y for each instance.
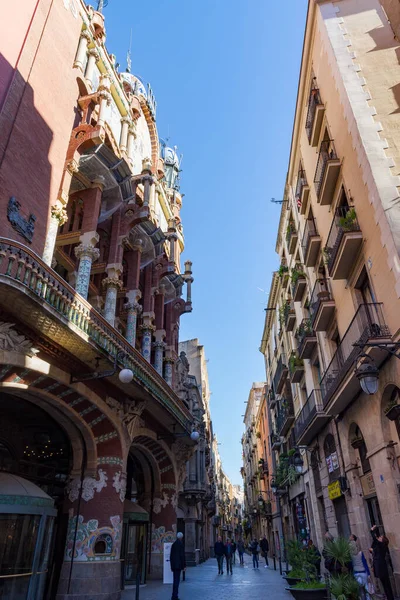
(312, 407)
(21, 266)
(301, 183)
(291, 229)
(345, 220)
(288, 310)
(303, 332)
(320, 293)
(284, 413)
(280, 368)
(368, 323)
(327, 152)
(310, 230)
(314, 100)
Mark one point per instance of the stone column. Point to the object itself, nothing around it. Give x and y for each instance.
(158, 356)
(58, 218)
(189, 280)
(105, 100)
(172, 237)
(112, 284)
(87, 254)
(82, 50)
(131, 139)
(123, 140)
(91, 63)
(147, 331)
(133, 309)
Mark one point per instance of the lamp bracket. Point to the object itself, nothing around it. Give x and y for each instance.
(391, 347)
(100, 375)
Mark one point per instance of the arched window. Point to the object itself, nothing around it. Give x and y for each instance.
(103, 544)
(331, 457)
(358, 443)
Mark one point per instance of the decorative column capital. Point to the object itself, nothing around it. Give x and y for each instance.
(104, 94)
(72, 166)
(147, 327)
(93, 52)
(133, 306)
(112, 282)
(160, 345)
(87, 250)
(85, 34)
(59, 213)
(146, 164)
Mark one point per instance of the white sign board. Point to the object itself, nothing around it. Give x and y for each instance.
(168, 575)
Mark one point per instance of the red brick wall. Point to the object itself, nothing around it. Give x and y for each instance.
(38, 112)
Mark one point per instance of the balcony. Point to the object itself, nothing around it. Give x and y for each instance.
(311, 243)
(344, 242)
(39, 298)
(271, 399)
(322, 306)
(339, 385)
(302, 192)
(276, 442)
(315, 115)
(326, 173)
(285, 417)
(291, 237)
(296, 368)
(311, 420)
(280, 374)
(306, 338)
(299, 283)
(289, 316)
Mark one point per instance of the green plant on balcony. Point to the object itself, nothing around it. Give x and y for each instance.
(304, 329)
(347, 222)
(327, 253)
(282, 270)
(291, 228)
(297, 272)
(258, 435)
(294, 362)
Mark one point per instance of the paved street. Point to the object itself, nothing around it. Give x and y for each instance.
(204, 583)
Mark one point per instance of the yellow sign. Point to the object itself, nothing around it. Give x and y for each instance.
(368, 485)
(334, 490)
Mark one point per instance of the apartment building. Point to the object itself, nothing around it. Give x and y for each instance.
(332, 323)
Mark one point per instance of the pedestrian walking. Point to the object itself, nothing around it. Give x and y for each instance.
(234, 551)
(264, 550)
(229, 556)
(240, 548)
(254, 549)
(178, 563)
(219, 551)
(361, 570)
(380, 555)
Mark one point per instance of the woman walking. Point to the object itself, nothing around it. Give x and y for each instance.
(380, 552)
(361, 570)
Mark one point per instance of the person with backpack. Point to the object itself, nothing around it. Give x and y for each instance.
(264, 550)
(254, 549)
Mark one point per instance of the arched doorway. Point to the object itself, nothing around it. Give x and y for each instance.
(34, 449)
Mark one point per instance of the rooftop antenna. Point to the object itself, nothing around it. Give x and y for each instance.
(128, 56)
(101, 4)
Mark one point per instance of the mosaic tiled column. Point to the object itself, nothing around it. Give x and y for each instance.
(132, 309)
(158, 356)
(112, 285)
(168, 370)
(146, 341)
(87, 254)
(58, 218)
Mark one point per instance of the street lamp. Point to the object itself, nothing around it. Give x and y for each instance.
(367, 374)
(274, 487)
(298, 462)
(125, 375)
(260, 501)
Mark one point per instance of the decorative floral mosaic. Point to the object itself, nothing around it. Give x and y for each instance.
(87, 534)
(159, 536)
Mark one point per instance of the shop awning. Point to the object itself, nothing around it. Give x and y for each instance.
(134, 512)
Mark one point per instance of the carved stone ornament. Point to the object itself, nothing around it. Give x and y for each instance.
(89, 486)
(182, 454)
(11, 340)
(160, 503)
(119, 484)
(132, 416)
(60, 214)
(25, 227)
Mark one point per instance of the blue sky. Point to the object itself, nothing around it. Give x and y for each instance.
(225, 76)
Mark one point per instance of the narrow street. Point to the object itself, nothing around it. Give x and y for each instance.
(204, 583)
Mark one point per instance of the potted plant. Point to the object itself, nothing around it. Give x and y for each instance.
(339, 552)
(323, 294)
(282, 270)
(294, 362)
(303, 561)
(392, 410)
(347, 222)
(296, 274)
(344, 587)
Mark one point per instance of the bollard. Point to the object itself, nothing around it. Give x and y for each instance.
(287, 565)
(280, 565)
(137, 585)
(274, 562)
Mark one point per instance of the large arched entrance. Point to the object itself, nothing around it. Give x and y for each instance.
(35, 449)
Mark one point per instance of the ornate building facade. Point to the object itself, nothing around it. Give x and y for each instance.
(98, 415)
(331, 335)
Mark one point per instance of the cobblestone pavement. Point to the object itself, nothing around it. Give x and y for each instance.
(204, 583)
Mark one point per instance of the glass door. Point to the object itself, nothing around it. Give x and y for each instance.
(135, 552)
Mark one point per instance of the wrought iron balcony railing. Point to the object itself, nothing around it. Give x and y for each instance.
(284, 418)
(24, 270)
(327, 152)
(300, 185)
(310, 230)
(280, 373)
(368, 323)
(344, 221)
(321, 293)
(314, 100)
(312, 407)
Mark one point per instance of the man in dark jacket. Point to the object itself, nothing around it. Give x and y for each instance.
(178, 563)
(219, 551)
(229, 556)
(264, 549)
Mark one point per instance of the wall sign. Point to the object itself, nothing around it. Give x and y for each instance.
(334, 490)
(368, 485)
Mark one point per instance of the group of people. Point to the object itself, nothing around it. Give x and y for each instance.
(227, 551)
(380, 559)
